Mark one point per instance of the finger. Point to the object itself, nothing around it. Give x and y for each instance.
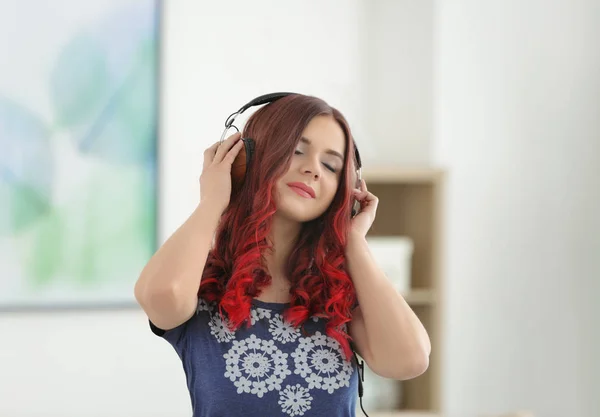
(360, 195)
(225, 147)
(370, 196)
(365, 196)
(233, 152)
(209, 153)
(370, 201)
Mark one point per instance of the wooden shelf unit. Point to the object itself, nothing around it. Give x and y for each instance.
(410, 204)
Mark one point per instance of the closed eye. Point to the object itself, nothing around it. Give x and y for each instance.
(329, 167)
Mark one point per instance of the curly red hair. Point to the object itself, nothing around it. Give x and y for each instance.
(235, 270)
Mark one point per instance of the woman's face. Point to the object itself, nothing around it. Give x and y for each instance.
(307, 189)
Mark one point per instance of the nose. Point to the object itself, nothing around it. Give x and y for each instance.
(311, 167)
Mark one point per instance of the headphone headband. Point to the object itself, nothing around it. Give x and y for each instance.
(265, 98)
(270, 98)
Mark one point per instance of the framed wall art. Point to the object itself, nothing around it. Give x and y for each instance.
(78, 150)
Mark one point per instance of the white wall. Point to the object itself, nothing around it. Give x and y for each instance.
(517, 123)
(398, 81)
(87, 364)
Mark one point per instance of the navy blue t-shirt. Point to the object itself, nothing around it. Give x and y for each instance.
(269, 369)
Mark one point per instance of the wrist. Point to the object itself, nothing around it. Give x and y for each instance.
(355, 241)
(356, 237)
(207, 210)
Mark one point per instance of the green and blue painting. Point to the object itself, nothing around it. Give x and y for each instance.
(78, 150)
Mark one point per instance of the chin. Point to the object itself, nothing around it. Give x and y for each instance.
(295, 208)
(299, 210)
(296, 214)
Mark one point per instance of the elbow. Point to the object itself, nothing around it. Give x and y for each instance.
(148, 295)
(407, 366)
(143, 292)
(138, 291)
(417, 364)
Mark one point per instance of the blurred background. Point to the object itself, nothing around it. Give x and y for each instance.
(479, 127)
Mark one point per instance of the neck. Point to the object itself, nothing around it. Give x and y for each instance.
(283, 237)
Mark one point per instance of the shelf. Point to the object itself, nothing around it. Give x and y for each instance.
(420, 297)
(411, 205)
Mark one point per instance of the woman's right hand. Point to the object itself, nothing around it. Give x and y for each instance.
(215, 180)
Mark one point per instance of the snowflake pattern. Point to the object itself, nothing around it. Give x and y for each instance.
(256, 366)
(318, 360)
(219, 328)
(257, 314)
(295, 400)
(283, 331)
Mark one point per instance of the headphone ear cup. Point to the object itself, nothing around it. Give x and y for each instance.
(355, 203)
(241, 164)
(355, 208)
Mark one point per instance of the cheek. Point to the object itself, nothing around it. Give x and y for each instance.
(330, 189)
(277, 189)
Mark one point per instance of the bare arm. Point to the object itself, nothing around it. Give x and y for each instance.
(167, 288)
(168, 285)
(387, 333)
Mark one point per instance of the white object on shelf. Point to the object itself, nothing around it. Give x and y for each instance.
(393, 254)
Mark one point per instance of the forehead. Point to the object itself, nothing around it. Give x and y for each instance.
(324, 132)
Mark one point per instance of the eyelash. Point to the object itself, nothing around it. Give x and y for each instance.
(329, 167)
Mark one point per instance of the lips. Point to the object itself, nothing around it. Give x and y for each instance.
(302, 189)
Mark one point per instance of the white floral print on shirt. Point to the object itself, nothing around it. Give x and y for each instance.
(257, 314)
(318, 360)
(282, 330)
(295, 400)
(220, 328)
(256, 366)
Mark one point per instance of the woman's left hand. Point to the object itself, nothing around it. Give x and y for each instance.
(361, 223)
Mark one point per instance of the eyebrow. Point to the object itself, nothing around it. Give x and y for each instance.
(329, 151)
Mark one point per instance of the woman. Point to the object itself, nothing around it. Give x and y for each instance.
(265, 317)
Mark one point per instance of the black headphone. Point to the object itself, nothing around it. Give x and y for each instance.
(242, 162)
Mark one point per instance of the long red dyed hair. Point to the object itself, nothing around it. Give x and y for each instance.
(235, 269)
